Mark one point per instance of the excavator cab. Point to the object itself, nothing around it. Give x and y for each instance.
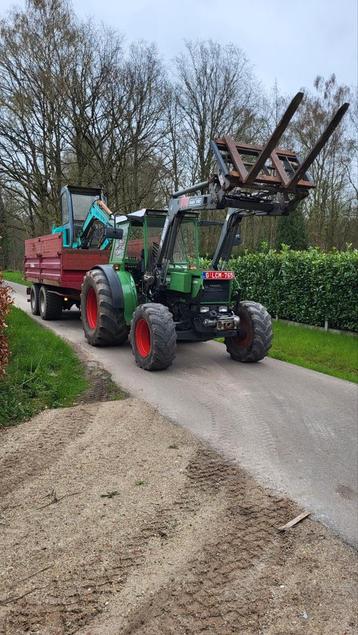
(75, 204)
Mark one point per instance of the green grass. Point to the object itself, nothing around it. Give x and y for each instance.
(43, 371)
(330, 353)
(14, 276)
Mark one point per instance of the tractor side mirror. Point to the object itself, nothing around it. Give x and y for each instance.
(113, 232)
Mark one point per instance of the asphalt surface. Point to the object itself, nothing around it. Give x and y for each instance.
(294, 429)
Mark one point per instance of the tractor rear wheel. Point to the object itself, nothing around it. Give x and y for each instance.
(254, 337)
(102, 324)
(35, 299)
(50, 304)
(153, 336)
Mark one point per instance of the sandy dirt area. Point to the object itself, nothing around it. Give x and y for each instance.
(114, 521)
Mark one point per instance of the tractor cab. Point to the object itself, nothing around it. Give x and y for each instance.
(143, 232)
(75, 203)
(190, 291)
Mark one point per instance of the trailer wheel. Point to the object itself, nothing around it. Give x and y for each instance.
(254, 337)
(102, 324)
(35, 299)
(50, 304)
(153, 336)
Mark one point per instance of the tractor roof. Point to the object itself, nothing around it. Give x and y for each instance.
(137, 217)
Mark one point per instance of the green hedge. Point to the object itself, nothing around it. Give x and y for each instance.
(304, 286)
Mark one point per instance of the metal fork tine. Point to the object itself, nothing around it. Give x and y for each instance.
(274, 139)
(302, 169)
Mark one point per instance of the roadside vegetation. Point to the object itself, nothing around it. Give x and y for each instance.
(309, 286)
(43, 371)
(331, 353)
(14, 276)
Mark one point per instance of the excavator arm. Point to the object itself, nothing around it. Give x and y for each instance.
(98, 218)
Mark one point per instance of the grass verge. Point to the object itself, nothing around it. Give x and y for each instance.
(43, 371)
(14, 276)
(330, 353)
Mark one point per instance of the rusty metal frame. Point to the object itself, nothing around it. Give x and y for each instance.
(274, 167)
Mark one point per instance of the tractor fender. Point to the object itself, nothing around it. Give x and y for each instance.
(114, 284)
(123, 289)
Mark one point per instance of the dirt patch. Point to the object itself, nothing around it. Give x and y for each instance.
(101, 387)
(113, 521)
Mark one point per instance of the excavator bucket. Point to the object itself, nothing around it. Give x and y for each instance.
(252, 167)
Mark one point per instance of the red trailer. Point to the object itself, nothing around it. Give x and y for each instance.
(56, 273)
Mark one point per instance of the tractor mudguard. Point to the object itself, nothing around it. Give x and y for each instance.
(129, 294)
(123, 289)
(115, 285)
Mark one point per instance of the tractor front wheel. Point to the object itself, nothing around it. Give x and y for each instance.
(153, 336)
(102, 324)
(254, 337)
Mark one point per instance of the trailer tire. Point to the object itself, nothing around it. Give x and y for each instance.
(153, 336)
(254, 337)
(102, 324)
(35, 299)
(50, 304)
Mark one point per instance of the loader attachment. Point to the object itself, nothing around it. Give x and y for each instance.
(249, 180)
(251, 167)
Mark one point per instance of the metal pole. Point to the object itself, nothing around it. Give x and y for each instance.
(192, 188)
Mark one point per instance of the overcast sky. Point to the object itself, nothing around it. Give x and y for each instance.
(291, 41)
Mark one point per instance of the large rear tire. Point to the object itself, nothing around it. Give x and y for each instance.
(254, 337)
(50, 304)
(153, 336)
(35, 299)
(102, 324)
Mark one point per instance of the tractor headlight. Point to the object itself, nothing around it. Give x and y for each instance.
(222, 309)
(204, 309)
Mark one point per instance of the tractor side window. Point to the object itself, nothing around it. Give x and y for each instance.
(154, 230)
(64, 209)
(120, 243)
(185, 248)
(135, 244)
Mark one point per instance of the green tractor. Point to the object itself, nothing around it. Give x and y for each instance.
(180, 301)
(155, 289)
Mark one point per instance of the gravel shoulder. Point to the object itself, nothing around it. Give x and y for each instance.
(114, 520)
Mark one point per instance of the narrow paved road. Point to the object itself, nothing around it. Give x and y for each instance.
(292, 428)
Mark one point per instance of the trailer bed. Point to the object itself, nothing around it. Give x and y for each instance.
(48, 262)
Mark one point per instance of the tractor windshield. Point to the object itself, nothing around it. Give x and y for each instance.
(186, 243)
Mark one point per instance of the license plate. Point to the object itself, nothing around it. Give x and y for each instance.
(225, 325)
(218, 275)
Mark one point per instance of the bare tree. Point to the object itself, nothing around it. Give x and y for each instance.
(332, 203)
(76, 105)
(217, 95)
(35, 57)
